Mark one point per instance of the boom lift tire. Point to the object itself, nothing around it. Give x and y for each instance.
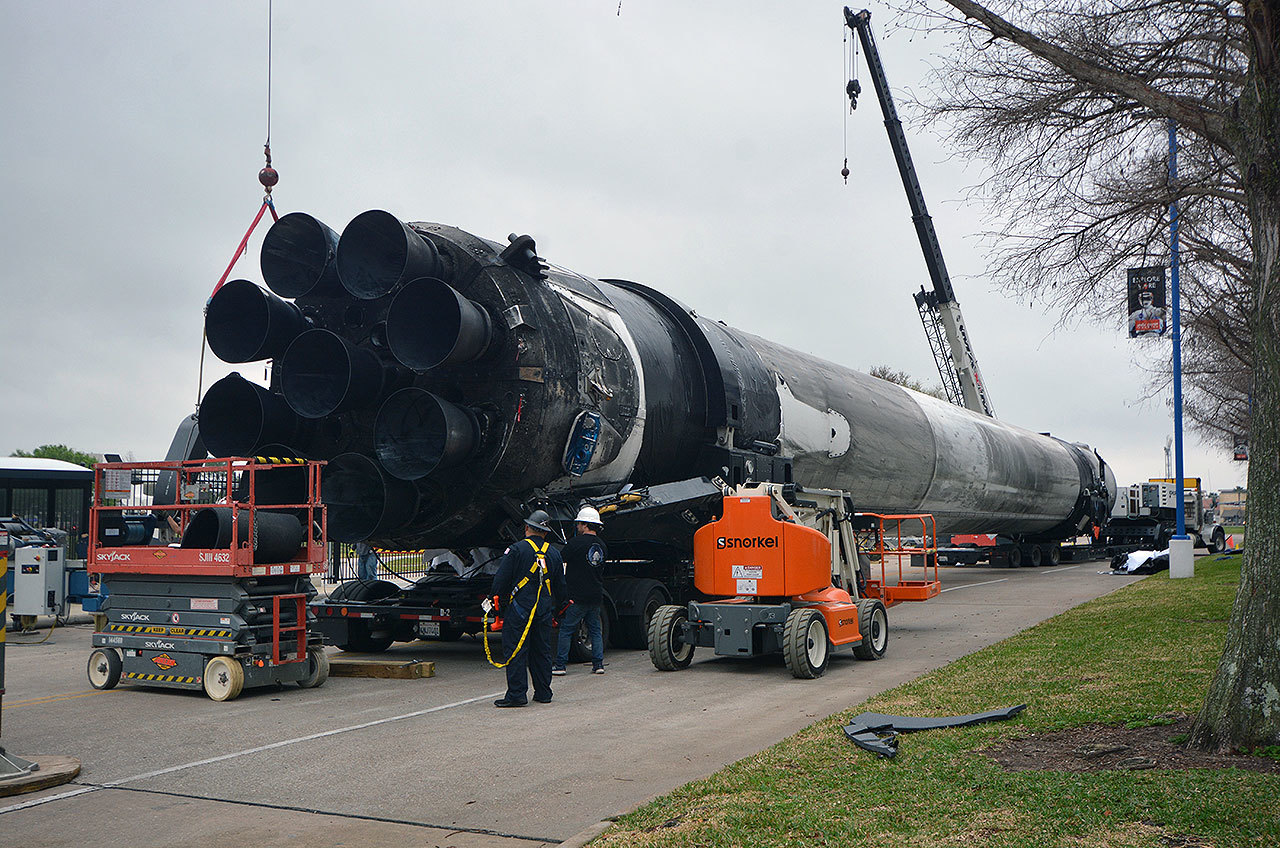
(873, 624)
(223, 678)
(104, 668)
(317, 669)
(805, 645)
(666, 652)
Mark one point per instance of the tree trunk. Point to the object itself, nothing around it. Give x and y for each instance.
(1242, 708)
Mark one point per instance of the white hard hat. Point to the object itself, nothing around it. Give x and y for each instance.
(589, 515)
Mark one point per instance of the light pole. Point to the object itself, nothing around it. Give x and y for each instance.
(1181, 553)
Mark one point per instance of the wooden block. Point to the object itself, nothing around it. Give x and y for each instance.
(349, 666)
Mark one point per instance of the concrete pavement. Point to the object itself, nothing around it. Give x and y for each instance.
(431, 762)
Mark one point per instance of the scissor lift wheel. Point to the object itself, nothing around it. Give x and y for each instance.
(223, 678)
(317, 669)
(104, 668)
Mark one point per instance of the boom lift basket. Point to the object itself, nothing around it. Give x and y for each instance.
(892, 540)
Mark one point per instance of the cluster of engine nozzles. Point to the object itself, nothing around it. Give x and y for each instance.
(374, 310)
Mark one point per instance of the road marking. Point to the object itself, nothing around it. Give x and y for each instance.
(952, 589)
(255, 750)
(49, 699)
(1055, 571)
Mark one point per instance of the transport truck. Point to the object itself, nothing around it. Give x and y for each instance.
(1144, 517)
(452, 384)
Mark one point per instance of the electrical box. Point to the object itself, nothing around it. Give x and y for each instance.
(1159, 496)
(39, 580)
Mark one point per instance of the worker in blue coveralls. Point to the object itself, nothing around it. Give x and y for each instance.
(584, 557)
(529, 586)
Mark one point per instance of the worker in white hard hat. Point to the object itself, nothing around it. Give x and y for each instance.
(584, 558)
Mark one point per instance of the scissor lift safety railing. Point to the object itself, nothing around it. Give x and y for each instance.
(123, 494)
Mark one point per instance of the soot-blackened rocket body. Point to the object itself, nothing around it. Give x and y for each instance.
(447, 378)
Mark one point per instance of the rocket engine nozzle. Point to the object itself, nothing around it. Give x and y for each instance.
(299, 257)
(322, 373)
(417, 432)
(430, 324)
(362, 500)
(237, 416)
(245, 323)
(378, 252)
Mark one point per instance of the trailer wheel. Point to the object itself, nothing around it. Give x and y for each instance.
(642, 596)
(665, 648)
(873, 624)
(317, 669)
(104, 668)
(1015, 556)
(805, 647)
(580, 644)
(223, 678)
(1037, 556)
(361, 640)
(1055, 554)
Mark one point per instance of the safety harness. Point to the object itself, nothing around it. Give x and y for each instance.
(537, 571)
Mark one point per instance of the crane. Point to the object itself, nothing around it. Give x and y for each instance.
(939, 311)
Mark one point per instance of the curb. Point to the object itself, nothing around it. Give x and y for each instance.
(585, 835)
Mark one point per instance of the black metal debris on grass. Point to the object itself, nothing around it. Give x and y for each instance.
(878, 733)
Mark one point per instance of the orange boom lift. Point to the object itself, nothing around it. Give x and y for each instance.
(792, 571)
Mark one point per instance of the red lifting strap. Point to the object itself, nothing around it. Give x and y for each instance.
(266, 204)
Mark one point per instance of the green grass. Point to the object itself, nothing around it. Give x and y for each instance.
(1135, 657)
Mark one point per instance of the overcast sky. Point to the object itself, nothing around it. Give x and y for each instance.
(694, 147)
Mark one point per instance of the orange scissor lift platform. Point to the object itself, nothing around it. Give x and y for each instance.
(208, 590)
(791, 572)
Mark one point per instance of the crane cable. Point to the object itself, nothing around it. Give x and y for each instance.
(849, 56)
(268, 177)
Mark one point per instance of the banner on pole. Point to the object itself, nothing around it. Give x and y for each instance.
(1147, 302)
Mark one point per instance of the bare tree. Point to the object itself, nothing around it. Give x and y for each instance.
(1073, 117)
(902, 378)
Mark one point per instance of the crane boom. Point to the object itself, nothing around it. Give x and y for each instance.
(939, 310)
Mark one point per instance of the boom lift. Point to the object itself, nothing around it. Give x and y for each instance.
(793, 570)
(939, 311)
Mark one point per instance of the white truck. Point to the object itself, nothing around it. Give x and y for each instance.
(1145, 516)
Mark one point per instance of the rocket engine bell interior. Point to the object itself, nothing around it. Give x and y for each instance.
(450, 380)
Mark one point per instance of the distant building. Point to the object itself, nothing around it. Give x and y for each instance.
(46, 492)
(1232, 504)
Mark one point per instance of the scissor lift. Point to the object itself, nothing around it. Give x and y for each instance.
(224, 606)
(793, 571)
